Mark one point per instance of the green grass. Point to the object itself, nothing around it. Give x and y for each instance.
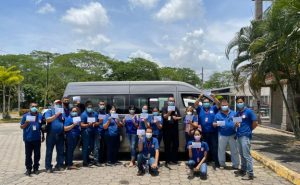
(12, 120)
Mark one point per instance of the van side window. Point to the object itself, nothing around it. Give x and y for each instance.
(121, 102)
(152, 100)
(189, 99)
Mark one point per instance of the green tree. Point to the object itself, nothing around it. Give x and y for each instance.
(180, 74)
(219, 79)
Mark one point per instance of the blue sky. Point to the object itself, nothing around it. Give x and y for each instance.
(181, 33)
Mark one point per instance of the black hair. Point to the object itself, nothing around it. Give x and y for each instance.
(155, 108)
(131, 107)
(87, 103)
(192, 132)
(240, 97)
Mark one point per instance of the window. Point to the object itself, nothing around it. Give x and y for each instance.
(155, 100)
(189, 99)
(121, 103)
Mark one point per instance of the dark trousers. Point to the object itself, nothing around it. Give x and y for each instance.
(211, 139)
(87, 144)
(35, 147)
(171, 142)
(112, 143)
(71, 143)
(52, 140)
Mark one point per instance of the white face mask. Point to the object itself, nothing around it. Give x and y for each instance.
(148, 135)
(112, 112)
(189, 113)
(131, 111)
(197, 138)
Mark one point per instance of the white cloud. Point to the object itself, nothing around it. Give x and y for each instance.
(98, 40)
(47, 8)
(143, 3)
(144, 55)
(38, 1)
(88, 18)
(192, 53)
(175, 10)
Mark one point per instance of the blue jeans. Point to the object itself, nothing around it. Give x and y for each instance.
(223, 142)
(35, 147)
(246, 158)
(203, 168)
(211, 138)
(71, 143)
(133, 143)
(87, 144)
(52, 140)
(142, 161)
(97, 141)
(112, 143)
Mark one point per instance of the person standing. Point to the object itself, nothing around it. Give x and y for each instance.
(171, 116)
(31, 125)
(244, 136)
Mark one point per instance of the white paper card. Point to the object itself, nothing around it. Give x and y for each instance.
(91, 120)
(221, 123)
(101, 116)
(57, 110)
(140, 132)
(237, 119)
(30, 118)
(144, 116)
(207, 92)
(196, 144)
(115, 116)
(171, 108)
(76, 119)
(158, 118)
(76, 98)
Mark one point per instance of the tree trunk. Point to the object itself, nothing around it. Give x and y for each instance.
(3, 103)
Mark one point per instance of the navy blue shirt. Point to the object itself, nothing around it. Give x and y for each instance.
(198, 153)
(245, 128)
(206, 118)
(129, 125)
(155, 129)
(150, 146)
(57, 125)
(84, 117)
(112, 129)
(75, 130)
(33, 131)
(229, 128)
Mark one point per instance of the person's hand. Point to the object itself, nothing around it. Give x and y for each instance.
(215, 124)
(27, 122)
(212, 95)
(174, 117)
(237, 124)
(200, 96)
(58, 114)
(90, 124)
(155, 121)
(154, 165)
(197, 168)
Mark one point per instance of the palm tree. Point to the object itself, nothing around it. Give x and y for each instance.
(9, 77)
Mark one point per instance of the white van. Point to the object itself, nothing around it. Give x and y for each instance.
(122, 94)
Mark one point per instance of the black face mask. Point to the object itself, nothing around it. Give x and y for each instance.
(66, 104)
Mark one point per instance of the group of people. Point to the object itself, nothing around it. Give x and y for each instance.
(208, 129)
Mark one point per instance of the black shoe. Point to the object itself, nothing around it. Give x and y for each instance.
(86, 164)
(28, 173)
(203, 177)
(173, 163)
(58, 169)
(49, 171)
(191, 174)
(248, 177)
(240, 173)
(140, 173)
(109, 164)
(36, 171)
(98, 164)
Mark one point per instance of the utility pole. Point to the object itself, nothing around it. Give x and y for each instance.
(258, 9)
(202, 78)
(47, 80)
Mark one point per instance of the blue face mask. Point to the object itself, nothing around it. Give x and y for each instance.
(240, 105)
(33, 109)
(224, 108)
(145, 111)
(206, 104)
(89, 109)
(155, 113)
(74, 114)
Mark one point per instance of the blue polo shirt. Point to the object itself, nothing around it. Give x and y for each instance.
(29, 133)
(229, 128)
(245, 128)
(57, 125)
(142, 124)
(150, 146)
(155, 129)
(75, 131)
(84, 117)
(129, 125)
(194, 119)
(100, 128)
(206, 118)
(198, 153)
(112, 129)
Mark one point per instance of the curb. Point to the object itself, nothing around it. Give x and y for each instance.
(279, 169)
(279, 130)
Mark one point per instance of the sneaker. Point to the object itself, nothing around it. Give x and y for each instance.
(49, 171)
(98, 164)
(222, 167)
(140, 173)
(248, 177)
(28, 173)
(240, 173)
(58, 169)
(72, 167)
(36, 172)
(86, 164)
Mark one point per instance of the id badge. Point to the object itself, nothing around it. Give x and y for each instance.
(33, 127)
(206, 119)
(244, 116)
